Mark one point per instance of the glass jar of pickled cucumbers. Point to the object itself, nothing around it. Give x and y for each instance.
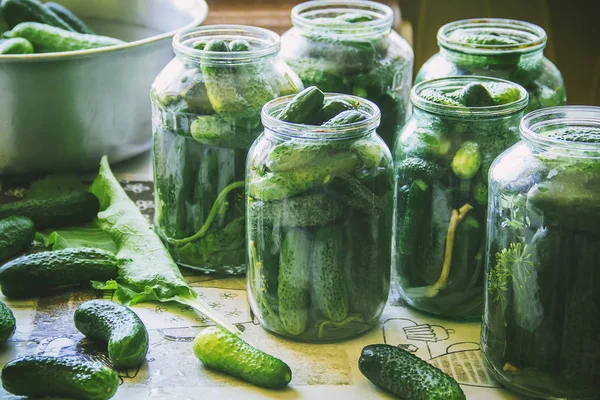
(500, 48)
(206, 108)
(541, 329)
(441, 160)
(319, 198)
(350, 47)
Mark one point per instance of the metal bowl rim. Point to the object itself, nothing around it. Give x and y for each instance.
(101, 50)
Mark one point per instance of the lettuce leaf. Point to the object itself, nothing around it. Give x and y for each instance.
(150, 274)
(90, 235)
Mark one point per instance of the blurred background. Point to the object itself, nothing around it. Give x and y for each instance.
(573, 29)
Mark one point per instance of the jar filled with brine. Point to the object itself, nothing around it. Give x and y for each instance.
(319, 197)
(206, 114)
(541, 330)
(350, 47)
(500, 48)
(441, 161)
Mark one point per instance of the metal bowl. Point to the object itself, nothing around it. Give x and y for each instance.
(63, 111)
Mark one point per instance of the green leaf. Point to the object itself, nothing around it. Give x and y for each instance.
(55, 184)
(150, 274)
(90, 235)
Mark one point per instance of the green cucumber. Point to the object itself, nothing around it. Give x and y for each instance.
(412, 221)
(336, 105)
(299, 211)
(8, 323)
(117, 326)
(226, 352)
(50, 39)
(293, 281)
(40, 273)
(67, 16)
(215, 131)
(346, 117)
(239, 45)
(291, 155)
(369, 151)
(16, 46)
(438, 97)
(73, 208)
(467, 160)
(15, 12)
(350, 191)
(279, 185)
(406, 375)
(16, 234)
(476, 95)
(304, 108)
(327, 273)
(72, 377)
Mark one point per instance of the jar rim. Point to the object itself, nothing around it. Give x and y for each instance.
(458, 82)
(269, 41)
(318, 132)
(534, 37)
(546, 119)
(303, 16)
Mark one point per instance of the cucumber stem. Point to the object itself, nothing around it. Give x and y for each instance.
(442, 282)
(349, 319)
(211, 215)
(209, 313)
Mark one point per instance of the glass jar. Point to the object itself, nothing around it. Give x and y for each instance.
(319, 211)
(205, 115)
(441, 162)
(541, 330)
(349, 47)
(500, 48)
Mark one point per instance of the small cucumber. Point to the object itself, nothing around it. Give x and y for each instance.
(304, 108)
(16, 46)
(336, 105)
(50, 39)
(293, 289)
(8, 323)
(414, 213)
(327, 273)
(226, 352)
(239, 45)
(438, 97)
(71, 19)
(215, 131)
(16, 11)
(476, 95)
(467, 160)
(346, 117)
(16, 234)
(39, 273)
(73, 208)
(116, 325)
(72, 377)
(406, 375)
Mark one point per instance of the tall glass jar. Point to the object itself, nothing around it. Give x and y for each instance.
(206, 113)
(541, 330)
(500, 48)
(441, 162)
(349, 47)
(319, 211)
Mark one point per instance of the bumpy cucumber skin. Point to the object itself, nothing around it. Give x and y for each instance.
(406, 375)
(16, 234)
(293, 288)
(8, 323)
(304, 108)
(39, 273)
(335, 106)
(226, 352)
(346, 117)
(15, 12)
(50, 39)
(75, 208)
(327, 273)
(69, 18)
(299, 211)
(16, 46)
(76, 378)
(116, 325)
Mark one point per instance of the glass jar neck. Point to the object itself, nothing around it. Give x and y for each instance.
(563, 132)
(422, 104)
(263, 43)
(287, 130)
(321, 17)
(495, 40)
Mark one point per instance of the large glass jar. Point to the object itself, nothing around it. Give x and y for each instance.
(500, 48)
(349, 47)
(319, 211)
(541, 330)
(206, 114)
(441, 163)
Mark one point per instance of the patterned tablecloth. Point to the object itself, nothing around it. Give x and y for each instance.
(320, 371)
